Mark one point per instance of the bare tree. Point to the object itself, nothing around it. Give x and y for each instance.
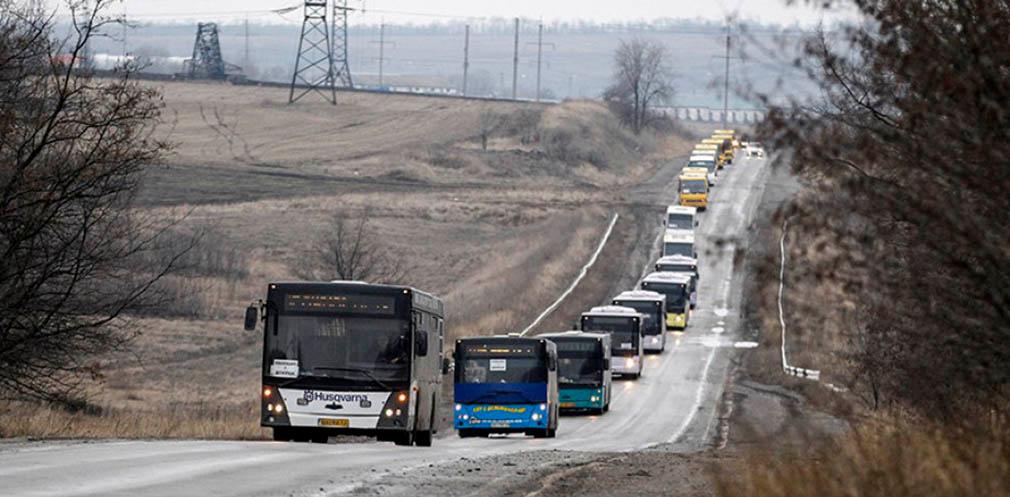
(489, 122)
(72, 150)
(642, 80)
(910, 149)
(350, 250)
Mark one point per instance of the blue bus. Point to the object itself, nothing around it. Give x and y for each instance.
(506, 384)
(584, 378)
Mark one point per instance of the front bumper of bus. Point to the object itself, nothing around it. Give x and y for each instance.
(626, 365)
(699, 201)
(501, 418)
(652, 343)
(676, 320)
(575, 399)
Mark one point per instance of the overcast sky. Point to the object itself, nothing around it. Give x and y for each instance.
(398, 11)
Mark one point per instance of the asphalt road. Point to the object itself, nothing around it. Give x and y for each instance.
(672, 406)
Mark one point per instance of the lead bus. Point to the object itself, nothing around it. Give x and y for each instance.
(506, 384)
(624, 325)
(350, 358)
(676, 287)
(653, 306)
(584, 378)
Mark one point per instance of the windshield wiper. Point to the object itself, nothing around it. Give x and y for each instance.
(506, 392)
(357, 370)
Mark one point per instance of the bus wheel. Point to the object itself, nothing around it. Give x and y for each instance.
(299, 435)
(282, 434)
(320, 438)
(405, 438)
(465, 433)
(552, 432)
(423, 438)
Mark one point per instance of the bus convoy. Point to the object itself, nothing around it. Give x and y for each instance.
(353, 358)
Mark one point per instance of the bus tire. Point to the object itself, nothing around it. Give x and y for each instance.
(300, 435)
(405, 438)
(552, 432)
(606, 407)
(282, 434)
(423, 438)
(320, 438)
(465, 433)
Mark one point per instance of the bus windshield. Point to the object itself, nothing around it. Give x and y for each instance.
(693, 186)
(678, 248)
(707, 164)
(676, 268)
(651, 324)
(503, 369)
(680, 221)
(623, 333)
(353, 349)
(676, 294)
(580, 362)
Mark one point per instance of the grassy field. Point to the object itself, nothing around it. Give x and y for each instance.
(497, 234)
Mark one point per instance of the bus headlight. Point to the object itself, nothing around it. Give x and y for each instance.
(401, 397)
(594, 399)
(459, 406)
(629, 362)
(536, 416)
(543, 407)
(389, 413)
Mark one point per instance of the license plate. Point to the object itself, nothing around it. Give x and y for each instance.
(568, 404)
(335, 422)
(500, 425)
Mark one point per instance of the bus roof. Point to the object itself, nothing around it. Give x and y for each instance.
(709, 156)
(667, 277)
(706, 146)
(678, 236)
(677, 259)
(724, 132)
(613, 310)
(693, 170)
(420, 298)
(500, 339)
(574, 334)
(681, 209)
(694, 174)
(641, 296)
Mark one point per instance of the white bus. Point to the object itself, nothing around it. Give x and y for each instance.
(653, 306)
(681, 217)
(679, 243)
(624, 325)
(350, 358)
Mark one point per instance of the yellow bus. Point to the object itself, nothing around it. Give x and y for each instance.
(694, 190)
(724, 148)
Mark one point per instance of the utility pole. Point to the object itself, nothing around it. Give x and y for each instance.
(725, 91)
(466, 56)
(540, 54)
(382, 49)
(725, 83)
(245, 56)
(515, 63)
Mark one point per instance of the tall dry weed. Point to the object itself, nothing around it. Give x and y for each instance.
(886, 458)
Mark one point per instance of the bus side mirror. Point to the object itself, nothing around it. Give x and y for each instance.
(696, 224)
(552, 363)
(252, 315)
(606, 365)
(421, 343)
(446, 365)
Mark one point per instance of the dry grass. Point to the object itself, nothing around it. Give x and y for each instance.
(888, 457)
(184, 420)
